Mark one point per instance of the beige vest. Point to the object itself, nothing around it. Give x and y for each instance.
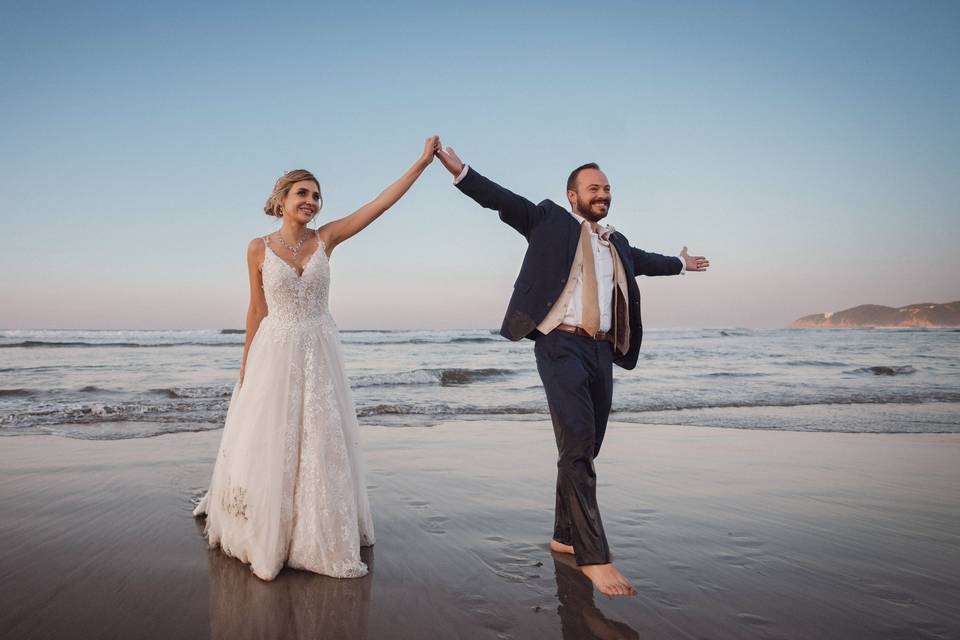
(621, 312)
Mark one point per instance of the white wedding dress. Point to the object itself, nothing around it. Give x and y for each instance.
(288, 483)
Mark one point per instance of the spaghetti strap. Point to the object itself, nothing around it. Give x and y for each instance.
(321, 245)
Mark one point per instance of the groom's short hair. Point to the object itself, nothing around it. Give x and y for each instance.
(572, 180)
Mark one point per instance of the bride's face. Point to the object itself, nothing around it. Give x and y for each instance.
(302, 201)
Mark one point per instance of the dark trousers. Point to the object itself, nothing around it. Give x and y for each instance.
(577, 374)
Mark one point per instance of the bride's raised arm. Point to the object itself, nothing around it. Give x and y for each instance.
(336, 231)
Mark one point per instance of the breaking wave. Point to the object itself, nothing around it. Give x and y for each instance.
(443, 377)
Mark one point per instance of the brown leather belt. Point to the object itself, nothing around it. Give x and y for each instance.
(602, 336)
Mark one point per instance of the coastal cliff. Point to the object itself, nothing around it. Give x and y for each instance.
(924, 314)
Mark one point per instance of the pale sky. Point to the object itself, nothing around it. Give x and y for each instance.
(810, 150)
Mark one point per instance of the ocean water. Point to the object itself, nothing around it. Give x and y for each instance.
(131, 384)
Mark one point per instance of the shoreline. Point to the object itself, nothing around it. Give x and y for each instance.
(724, 532)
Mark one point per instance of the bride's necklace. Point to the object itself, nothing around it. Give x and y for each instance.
(292, 250)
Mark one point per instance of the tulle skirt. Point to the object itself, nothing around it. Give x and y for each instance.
(288, 483)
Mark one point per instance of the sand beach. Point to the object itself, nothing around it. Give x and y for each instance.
(725, 533)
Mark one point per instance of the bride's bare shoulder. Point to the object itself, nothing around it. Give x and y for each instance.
(256, 249)
(325, 232)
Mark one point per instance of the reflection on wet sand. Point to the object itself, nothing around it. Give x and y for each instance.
(579, 616)
(297, 604)
(726, 533)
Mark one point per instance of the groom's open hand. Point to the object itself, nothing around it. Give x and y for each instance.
(694, 263)
(449, 159)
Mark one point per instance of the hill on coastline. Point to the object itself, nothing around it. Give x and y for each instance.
(924, 314)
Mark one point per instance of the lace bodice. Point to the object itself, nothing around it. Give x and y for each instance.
(296, 301)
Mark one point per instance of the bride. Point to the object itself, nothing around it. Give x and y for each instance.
(288, 483)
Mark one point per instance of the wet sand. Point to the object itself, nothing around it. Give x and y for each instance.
(725, 533)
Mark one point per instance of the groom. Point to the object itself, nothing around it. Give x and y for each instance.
(577, 297)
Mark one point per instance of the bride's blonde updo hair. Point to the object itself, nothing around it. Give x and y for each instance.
(282, 188)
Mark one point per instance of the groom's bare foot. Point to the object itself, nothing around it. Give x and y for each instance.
(559, 547)
(608, 580)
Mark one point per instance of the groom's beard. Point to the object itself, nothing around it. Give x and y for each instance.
(585, 209)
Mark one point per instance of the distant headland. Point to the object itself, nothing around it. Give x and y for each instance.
(924, 314)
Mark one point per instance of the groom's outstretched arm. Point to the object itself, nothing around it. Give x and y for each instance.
(515, 210)
(653, 264)
(647, 263)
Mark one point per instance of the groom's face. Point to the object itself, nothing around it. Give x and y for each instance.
(592, 197)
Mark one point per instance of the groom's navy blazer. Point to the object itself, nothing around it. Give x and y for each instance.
(552, 235)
